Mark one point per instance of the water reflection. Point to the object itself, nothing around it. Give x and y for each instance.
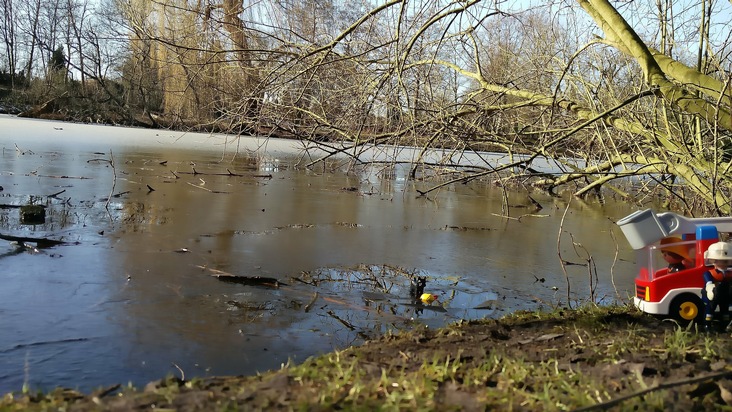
(135, 299)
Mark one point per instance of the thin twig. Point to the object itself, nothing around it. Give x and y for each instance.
(216, 272)
(312, 301)
(612, 267)
(106, 391)
(23, 152)
(206, 189)
(520, 217)
(559, 252)
(182, 374)
(195, 172)
(345, 323)
(63, 177)
(589, 263)
(114, 182)
(660, 386)
(504, 216)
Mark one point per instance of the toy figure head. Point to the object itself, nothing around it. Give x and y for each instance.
(671, 257)
(719, 254)
(673, 253)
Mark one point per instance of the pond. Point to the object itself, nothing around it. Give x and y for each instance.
(193, 255)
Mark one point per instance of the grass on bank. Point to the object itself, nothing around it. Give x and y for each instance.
(504, 379)
(561, 360)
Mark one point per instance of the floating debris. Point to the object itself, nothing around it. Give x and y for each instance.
(32, 214)
(244, 280)
(346, 224)
(421, 306)
(296, 226)
(40, 242)
(465, 228)
(251, 280)
(542, 338)
(428, 298)
(249, 305)
(489, 305)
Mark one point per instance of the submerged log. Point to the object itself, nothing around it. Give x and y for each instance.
(244, 280)
(40, 242)
(250, 280)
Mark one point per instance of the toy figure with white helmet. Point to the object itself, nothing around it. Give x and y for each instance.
(717, 291)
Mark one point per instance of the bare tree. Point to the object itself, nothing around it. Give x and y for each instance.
(8, 29)
(528, 83)
(569, 83)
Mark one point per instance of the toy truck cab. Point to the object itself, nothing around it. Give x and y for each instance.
(659, 290)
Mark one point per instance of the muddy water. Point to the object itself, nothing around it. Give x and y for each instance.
(149, 218)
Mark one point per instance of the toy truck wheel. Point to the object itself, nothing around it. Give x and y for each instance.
(687, 307)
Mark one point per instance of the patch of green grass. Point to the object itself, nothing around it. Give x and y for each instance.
(503, 381)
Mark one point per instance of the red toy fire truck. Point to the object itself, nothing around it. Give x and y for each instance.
(661, 290)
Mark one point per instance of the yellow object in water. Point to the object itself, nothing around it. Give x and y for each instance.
(428, 298)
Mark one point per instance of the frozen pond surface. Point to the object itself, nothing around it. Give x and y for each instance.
(131, 296)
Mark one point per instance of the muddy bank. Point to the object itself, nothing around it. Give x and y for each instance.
(588, 359)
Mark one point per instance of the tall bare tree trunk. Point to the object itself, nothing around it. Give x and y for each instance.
(8, 31)
(34, 40)
(237, 32)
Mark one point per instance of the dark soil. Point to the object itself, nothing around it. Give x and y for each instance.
(635, 360)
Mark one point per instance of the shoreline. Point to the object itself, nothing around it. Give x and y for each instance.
(591, 357)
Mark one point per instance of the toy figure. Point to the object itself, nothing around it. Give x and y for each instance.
(717, 281)
(677, 256)
(416, 286)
